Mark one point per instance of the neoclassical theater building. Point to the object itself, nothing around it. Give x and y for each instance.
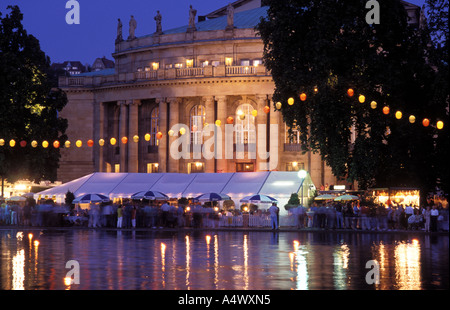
(195, 75)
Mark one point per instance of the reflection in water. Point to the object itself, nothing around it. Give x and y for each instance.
(220, 260)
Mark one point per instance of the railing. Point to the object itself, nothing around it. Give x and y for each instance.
(146, 75)
(293, 147)
(183, 72)
(240, 70)
(75, 81)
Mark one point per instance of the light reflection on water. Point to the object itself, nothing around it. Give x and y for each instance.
(220, 260)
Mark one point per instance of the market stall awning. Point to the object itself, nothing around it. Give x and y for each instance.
(135, 182)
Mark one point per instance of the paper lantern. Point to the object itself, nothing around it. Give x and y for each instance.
(2, 142)
(23, 143)
(350, 92)
(34, 143)
(291, 101)
(386, 110)
(255, 113)
(373, 105)
(56, 144)
(90, 143)
(316, 90)
(101, 142)
(182, 131)
(412, 119)
(113, 141)
(278, 105)
(230, 120)
(170, 133)
(302, 96)
(242, 117)
(78, 143)
(440, 125)
(12, 143)
(426, 122)
(124, 140)
(362, 98)
(218, 123)
(398, 115)
(159, 135)
(67, 144)
(266, 109)
(135, 138)
(147, 137)
(44, 144)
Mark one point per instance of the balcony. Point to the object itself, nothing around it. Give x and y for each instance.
(163, 74)
(293, 147)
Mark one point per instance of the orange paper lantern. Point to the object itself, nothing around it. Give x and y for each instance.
(350, 92)
(386, 110)
(124, 140)
(90, 143)
(159, 135)
(267, 109)
(230, 120)
(426, 122)
(302, 96)
(56, 144)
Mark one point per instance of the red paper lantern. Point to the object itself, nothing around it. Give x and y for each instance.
(159, 135)
(124, 140)
(302, 96)
(350, 92)
(56, 144)
(23, 143)
(386, 110)
(90, 143)
(426, 122)
(266, 109)
(230, 120)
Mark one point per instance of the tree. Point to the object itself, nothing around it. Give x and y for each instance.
(29, 104)
(322, 49)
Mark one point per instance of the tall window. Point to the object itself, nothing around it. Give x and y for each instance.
(197, 121)
(245, 124)
(292, 136)
(154, 126)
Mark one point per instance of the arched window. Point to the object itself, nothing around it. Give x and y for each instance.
(197, 118)
(245, 124)
(154, 126)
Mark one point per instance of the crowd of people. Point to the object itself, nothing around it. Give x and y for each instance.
(350, 215)
(160, 214)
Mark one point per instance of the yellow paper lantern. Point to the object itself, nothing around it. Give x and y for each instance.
(412, 119)
(170, 133)
(182, 131)
(2, 142)
(44, 144)
(254, 113)
(398, 115)
(34, 143)
(79, 143)
(113, 141)
(278, 105)
(12, 143)
(136, 138)
(67, 144)
(291, 101)
(218, 123)
(101, 142)
(440, 125)
(373, 105)
(362, 98)
(147, 137)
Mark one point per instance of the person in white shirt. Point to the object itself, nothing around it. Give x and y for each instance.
(274, 215)
(434, 218)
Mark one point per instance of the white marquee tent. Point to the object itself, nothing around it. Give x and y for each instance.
(278, 184)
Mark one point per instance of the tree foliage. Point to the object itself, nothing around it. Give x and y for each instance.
(29, 104)
(328, 45)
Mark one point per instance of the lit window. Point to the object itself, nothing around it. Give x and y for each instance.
(244, 167)
(228, 61)
(215, 63)
(245, 62)
(257, 62)
(153, 168)
(139, 69)
(292, 135)
(197, 167)
(178, 65)
(245, 124)
(155, 66)
(197, 121)
(117, 168)
(295, 166)
(147, 69)
(205, 63)
(169, 66)
(189, 63)
(154, 124)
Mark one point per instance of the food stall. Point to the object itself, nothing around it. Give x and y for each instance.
(396, 195)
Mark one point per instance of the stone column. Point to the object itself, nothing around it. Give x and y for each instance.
(163, 147)
(221, 162)
(174, 118)
(123, 132)
(133, 129)
(276, 122)
(101, 135)
(261, 139)
(209, 119)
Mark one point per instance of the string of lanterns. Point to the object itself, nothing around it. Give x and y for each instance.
(373, 104)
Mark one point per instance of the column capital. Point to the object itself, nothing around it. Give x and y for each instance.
(121, 102)
(137, 102)
(208, 99)
(261, 97)
(173, 100)
(221, 98)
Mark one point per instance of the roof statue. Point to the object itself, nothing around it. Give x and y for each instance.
(133, 25)
(119, 31)
(158, 19)
(192, 14)
(230, 17)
